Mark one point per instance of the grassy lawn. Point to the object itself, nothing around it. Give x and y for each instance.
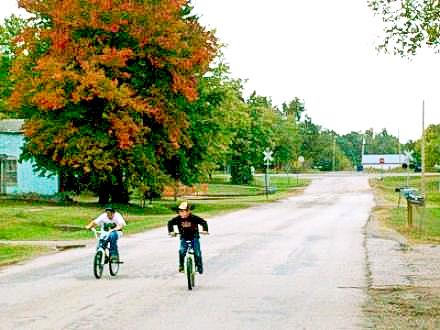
(10, 254)
(43, 220)
(426, 226)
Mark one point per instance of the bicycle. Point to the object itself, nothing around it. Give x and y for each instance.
(102, 255)
(189, 264)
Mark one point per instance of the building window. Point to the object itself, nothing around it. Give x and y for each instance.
(9, 172)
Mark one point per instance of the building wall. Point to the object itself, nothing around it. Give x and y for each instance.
(28, 181)
(382, 166)
(391, 161)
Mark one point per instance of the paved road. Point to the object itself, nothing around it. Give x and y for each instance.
(294, 264)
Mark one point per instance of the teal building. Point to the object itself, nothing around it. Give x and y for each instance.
(19, 177)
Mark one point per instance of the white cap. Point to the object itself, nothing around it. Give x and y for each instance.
(183, 206)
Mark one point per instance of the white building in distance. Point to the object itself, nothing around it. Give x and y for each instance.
(384, 162)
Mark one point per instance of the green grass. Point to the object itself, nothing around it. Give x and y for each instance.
(426, 226)
(44, 220)
(23, 220)
(14, 253)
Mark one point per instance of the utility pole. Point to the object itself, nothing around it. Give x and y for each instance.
(422, 183)
(334, 153)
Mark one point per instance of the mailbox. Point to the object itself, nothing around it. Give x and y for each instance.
(416, 198)
(412, 195)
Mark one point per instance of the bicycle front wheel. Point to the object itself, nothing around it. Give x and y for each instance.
(190, 273)
(114, 265)
(98, 264)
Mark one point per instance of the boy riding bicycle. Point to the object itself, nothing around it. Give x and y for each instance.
(188, 226)
(113, 222)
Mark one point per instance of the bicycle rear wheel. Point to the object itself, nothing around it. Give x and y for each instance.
(98, 264)
(114, 265)
(190, 273)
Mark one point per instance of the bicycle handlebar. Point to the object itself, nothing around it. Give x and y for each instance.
(174, 234)
(98, 232)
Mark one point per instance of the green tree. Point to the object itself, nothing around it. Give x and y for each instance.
(287, 138)
(408, 24)
(381, 143)
(213, 118)
(9, 31)
(309, 133)
(432, 147)
(293, 110)
(351, 146)
(255, 135)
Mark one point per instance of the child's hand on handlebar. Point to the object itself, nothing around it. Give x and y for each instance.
(172, 234)
(204, 233)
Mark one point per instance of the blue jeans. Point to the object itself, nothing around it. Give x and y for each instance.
(113, 240)
(197, 252)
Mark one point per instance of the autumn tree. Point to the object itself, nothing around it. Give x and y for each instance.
(408, 24)
(105, 98)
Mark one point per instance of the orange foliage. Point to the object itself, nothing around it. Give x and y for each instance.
(94, 45)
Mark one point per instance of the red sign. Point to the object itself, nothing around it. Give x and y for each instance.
(381, 161)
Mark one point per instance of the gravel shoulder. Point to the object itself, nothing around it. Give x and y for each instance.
(403, 280)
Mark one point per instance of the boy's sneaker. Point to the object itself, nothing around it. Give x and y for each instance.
(114, 257)
(180, 269)
(200, 270)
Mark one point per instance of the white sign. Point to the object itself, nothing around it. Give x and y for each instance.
(409, 155)
(267, 155)
(301, 159)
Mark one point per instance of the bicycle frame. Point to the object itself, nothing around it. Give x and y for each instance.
(190, 265)
(101, 236)
(102, 254)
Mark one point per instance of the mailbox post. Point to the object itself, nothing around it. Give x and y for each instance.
(413, 199)
(410, 214)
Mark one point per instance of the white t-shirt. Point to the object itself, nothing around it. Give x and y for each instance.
(117, 219)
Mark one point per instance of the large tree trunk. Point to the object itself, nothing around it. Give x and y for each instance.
(119, 191)
(120, 196)
(114, 189)
(103, 197)
(104, 192)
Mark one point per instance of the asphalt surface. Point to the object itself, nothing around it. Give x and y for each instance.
(295, 264)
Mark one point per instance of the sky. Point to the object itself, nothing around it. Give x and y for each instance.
(324, 53)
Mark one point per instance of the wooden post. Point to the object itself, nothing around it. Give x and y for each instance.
(422, 180)
(334, 154)
(410, 214)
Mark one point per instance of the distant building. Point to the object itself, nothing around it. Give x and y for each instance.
(385, 162)
(19, 177)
